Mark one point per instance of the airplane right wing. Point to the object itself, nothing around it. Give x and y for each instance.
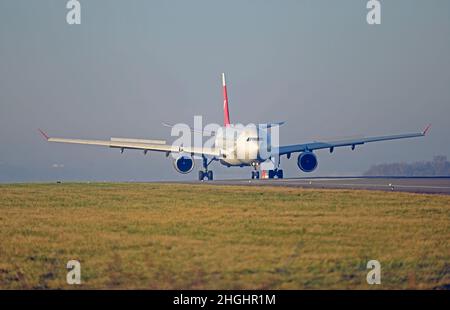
(137, 144)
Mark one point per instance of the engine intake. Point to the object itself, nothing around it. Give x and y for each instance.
(307, 161)
(183, 164)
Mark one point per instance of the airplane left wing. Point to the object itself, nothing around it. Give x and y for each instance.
(137, 144)
(317, 145)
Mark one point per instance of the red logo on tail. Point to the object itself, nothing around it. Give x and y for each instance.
(226, 113)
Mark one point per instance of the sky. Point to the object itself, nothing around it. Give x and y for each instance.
(131, 65)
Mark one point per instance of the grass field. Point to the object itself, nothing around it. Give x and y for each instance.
(172, 236)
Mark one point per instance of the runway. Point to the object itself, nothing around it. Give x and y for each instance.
(426, 185)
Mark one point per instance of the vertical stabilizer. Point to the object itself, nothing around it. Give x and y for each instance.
(226, 113)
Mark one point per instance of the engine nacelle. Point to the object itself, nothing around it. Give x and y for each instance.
(183, 164)
(307, 161)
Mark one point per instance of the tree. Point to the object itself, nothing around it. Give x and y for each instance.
(439, 166)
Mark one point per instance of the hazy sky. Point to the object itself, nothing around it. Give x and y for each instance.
(131, 65)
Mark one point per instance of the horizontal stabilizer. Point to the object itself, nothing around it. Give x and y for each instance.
(269, 125)
(203, 132)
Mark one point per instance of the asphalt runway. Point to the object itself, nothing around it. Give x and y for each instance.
(426, 185)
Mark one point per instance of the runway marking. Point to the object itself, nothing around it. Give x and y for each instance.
(343, 184)
(382, 185)
(428, 185)
(368, 185)
(316, 180)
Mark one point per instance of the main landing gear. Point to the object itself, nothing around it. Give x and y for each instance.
(205, 174)
(276, 173)
(208, 174)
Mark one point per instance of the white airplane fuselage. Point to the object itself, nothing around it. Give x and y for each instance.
(242, 146)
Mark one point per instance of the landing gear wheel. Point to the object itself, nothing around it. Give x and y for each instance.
(205, 174)
(280, 173)
(255, 174)
(272, 174)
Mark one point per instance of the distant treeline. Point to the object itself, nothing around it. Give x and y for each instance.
(438, 167)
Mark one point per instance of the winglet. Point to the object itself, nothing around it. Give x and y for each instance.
(44, 134)
(424, 132)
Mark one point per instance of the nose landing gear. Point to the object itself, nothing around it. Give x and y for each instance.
(255, 174)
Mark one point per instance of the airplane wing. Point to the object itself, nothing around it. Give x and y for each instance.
(137, 144)
(317, 145)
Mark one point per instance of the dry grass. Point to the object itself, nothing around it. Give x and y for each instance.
(226, 237)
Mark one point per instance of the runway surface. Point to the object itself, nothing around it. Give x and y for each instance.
(428, 185)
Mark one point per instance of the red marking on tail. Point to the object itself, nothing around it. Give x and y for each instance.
(226, 113)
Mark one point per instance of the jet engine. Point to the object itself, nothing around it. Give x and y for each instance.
(307, 161)
(183, 164)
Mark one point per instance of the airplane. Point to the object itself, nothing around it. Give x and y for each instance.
(229, 140)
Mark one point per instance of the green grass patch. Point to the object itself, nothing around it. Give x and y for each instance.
(175, 236)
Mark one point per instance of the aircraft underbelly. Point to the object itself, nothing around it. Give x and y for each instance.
(236, 162)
